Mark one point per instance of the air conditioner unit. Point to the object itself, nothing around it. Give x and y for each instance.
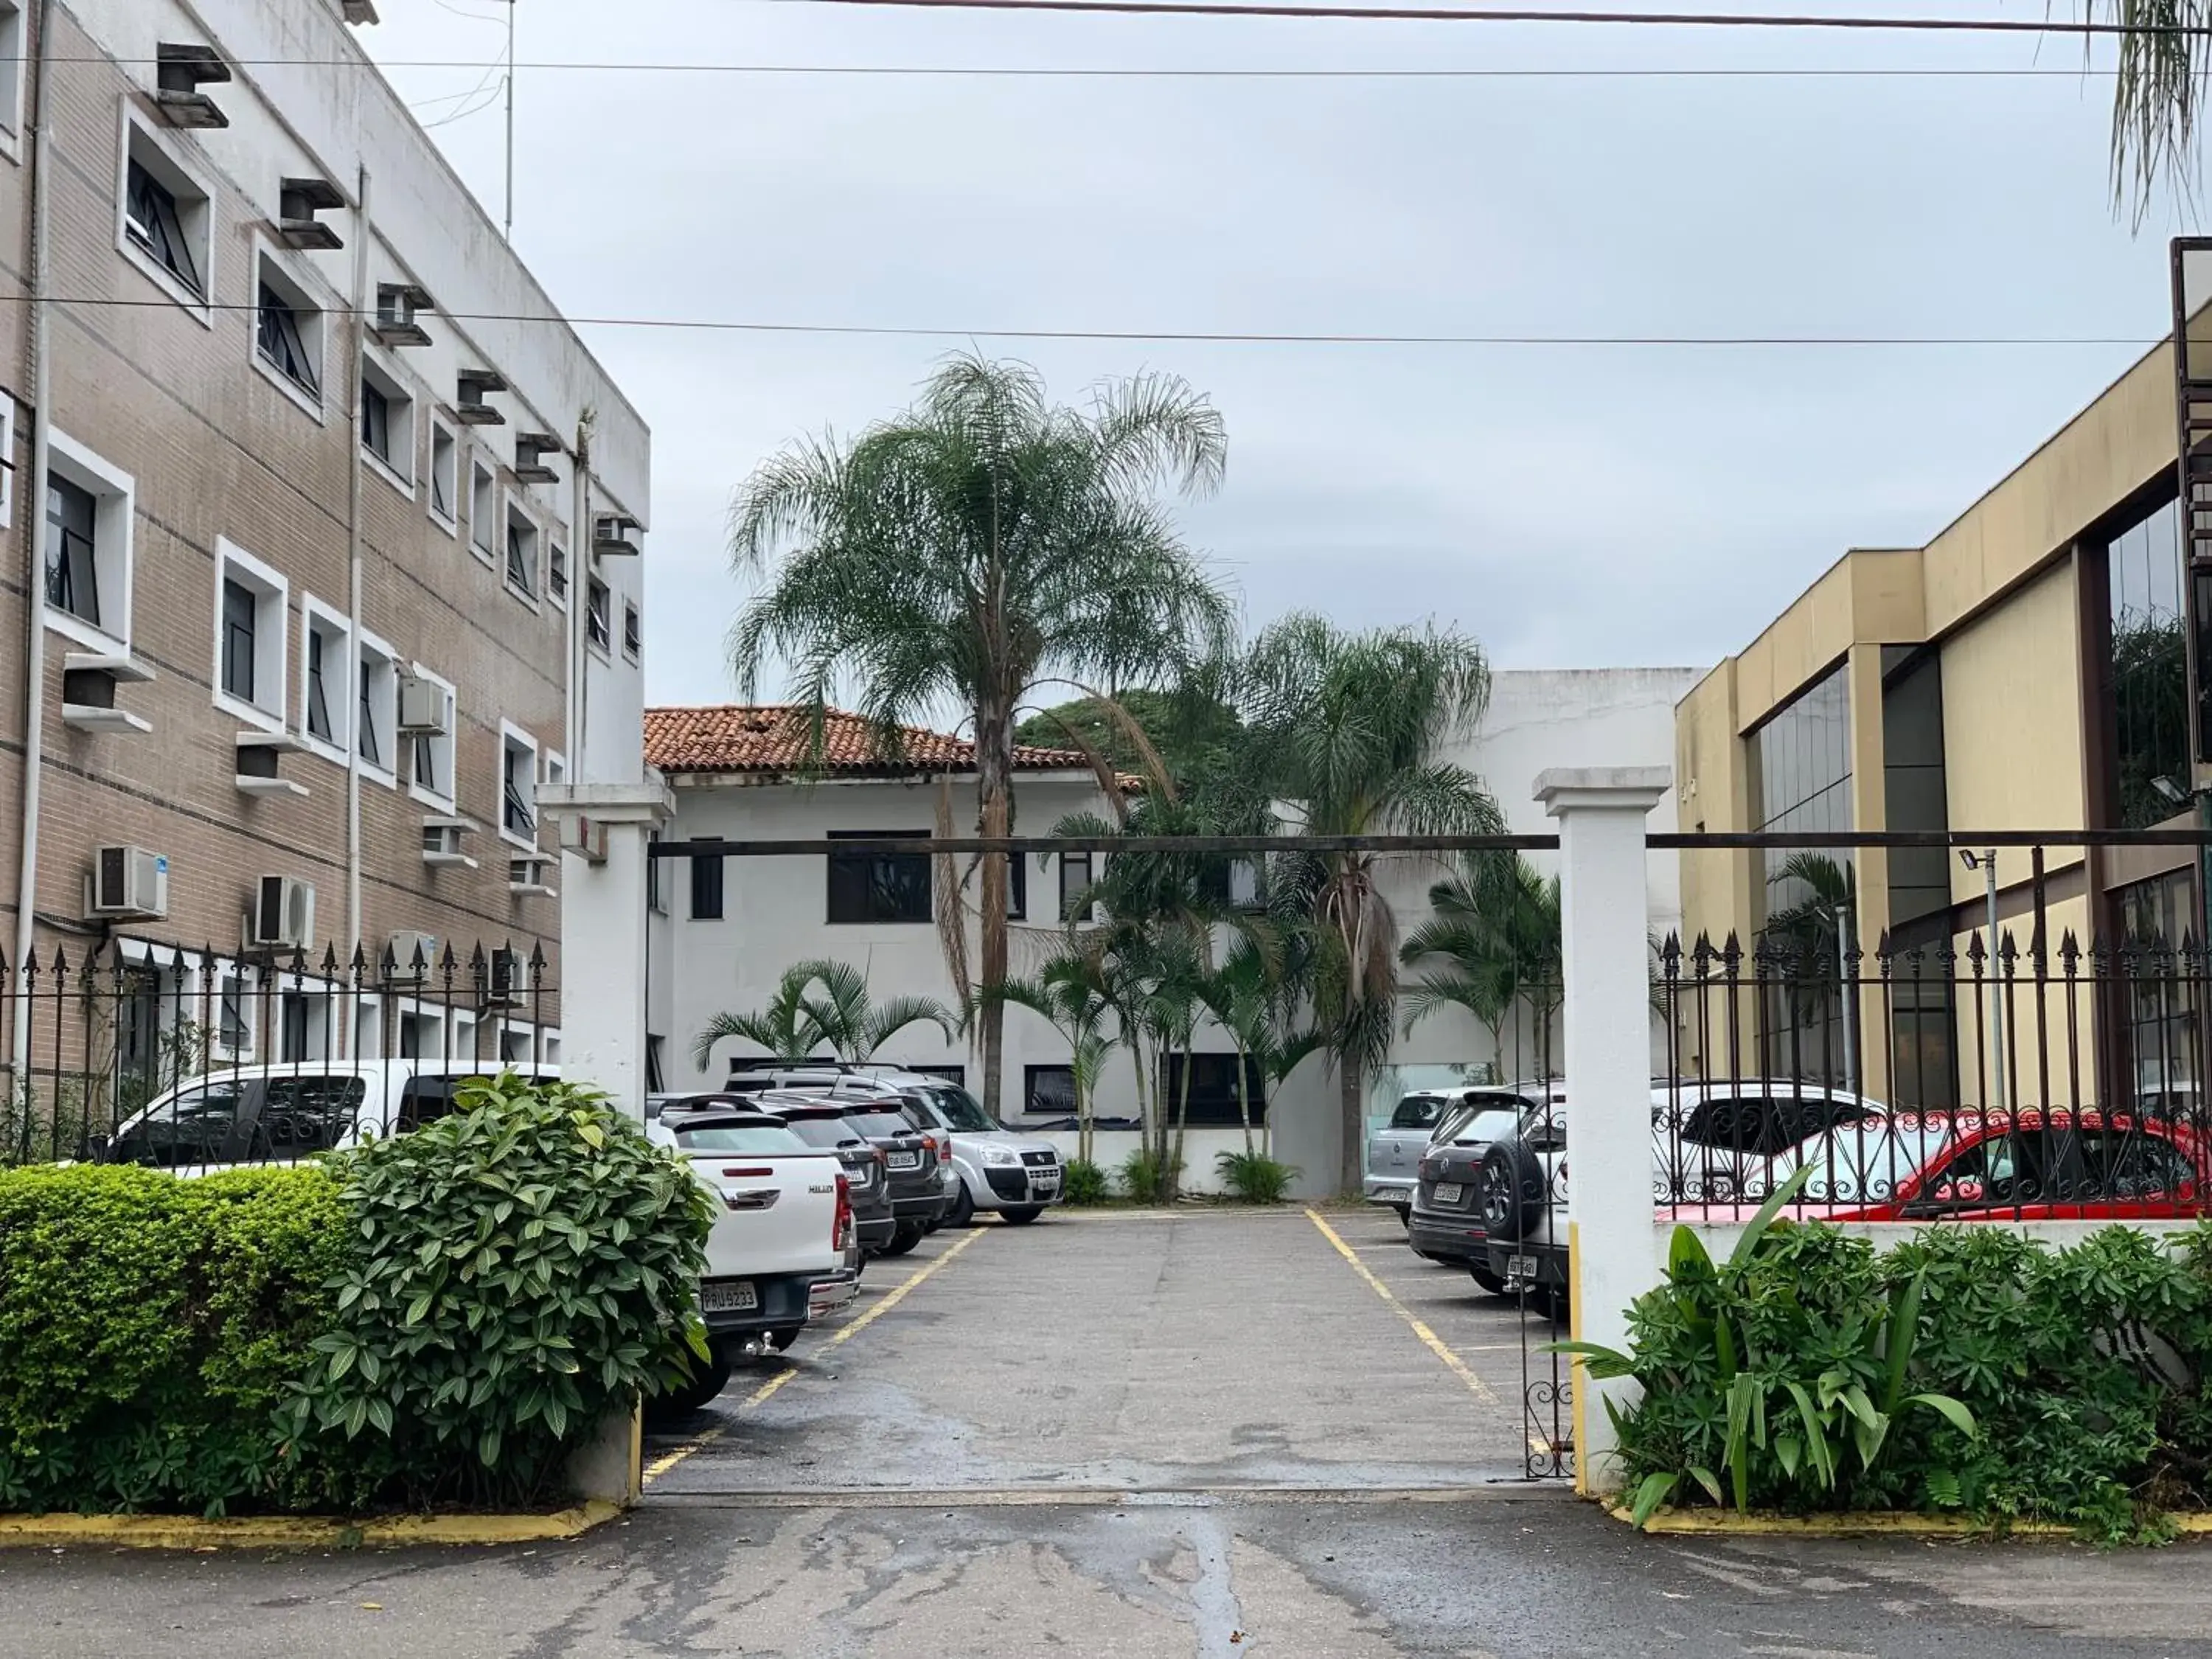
(424, 707)
(405, 950)
(612, 536)
(130, 881)
(509, 978)
(475, 385)
(284, 913)
(530, 874)
(179, 70)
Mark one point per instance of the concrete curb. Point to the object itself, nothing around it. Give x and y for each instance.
(296, 1531)
(1725, 1523)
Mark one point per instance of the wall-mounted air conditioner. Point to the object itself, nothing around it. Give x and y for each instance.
(298, 202)
(283, 913)
(614, 536)
(424, 706)
(407, 953)
(530, 875)
(442, 841)
(475, 385)
(130, 881)
(396, 306)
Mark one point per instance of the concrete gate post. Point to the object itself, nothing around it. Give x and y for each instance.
(604, 829)
(1611, 1258)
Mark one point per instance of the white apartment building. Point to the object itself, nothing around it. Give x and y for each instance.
(724, 930)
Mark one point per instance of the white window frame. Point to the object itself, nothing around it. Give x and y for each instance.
(385, 771)
(480, 467)
(512, 737)
(399, 404)
(195, 214)
(315, 617)
(114, 494)
(426, 1015)
(449, 744)
(557, 555)
(513, 519)
(633, 639)
(313, 320)
(604, 653)
(228, 972)
(14, 31)
(449, 522)
(272, 628)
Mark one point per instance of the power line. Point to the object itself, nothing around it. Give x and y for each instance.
(2084, 29)
(1195, 336)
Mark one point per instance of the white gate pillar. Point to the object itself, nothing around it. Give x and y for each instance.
(1610, 1259)
(603, 930)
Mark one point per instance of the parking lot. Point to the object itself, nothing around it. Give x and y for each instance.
(1208, 1434)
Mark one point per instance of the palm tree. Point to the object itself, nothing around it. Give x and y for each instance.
(1492, 944)
(1068, 990)
(2164, 63)
(1352, 729)
(821, 1004)
(1805, 946)
(1252, 997)
(978, 546)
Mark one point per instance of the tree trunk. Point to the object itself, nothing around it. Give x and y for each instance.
(1243, 1101)
(1171, 1167)
(994, 785)
(1351, 1076)
(1084, 1135)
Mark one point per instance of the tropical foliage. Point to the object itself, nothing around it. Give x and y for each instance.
(982, 543)
(821, 1004)
(1490, 948)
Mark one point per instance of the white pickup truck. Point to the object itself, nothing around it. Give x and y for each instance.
(783, 1249)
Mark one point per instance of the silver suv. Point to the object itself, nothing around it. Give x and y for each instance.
(992, 1167)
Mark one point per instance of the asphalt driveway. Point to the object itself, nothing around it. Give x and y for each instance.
(1210, 1435)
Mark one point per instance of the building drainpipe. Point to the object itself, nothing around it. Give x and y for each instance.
(354, 582)
(32, 501)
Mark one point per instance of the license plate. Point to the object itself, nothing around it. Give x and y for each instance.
(1045, 1184)
(1450, 1192)
(1521, 1267)
(905, 1160)
(729, 1296)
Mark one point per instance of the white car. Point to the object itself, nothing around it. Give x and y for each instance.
(280, 1112)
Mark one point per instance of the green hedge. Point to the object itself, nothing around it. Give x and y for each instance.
(1969, 1370)
(434, 1319)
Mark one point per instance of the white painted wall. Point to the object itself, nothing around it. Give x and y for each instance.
(775, 909)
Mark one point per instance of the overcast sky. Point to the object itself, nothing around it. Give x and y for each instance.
(1571, 507)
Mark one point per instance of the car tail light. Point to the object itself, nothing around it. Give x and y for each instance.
(945, 1150)
(929, 1143)
(841, 1228)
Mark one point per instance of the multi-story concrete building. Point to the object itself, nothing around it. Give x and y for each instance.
(318, 529)
(724, 930)
(2026, 670)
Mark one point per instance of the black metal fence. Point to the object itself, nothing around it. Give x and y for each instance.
(164, 1055)
(1953, 1078)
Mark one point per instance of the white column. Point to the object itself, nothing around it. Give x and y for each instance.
(604, 931)
(1607, 1051)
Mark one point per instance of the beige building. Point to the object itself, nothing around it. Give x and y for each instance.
(306, 589)
(2023, 671)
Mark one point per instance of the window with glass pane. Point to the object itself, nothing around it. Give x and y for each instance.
(240, 606)
(231, 1027)
(1212, 1098)
(151, 217)
(483, 496)
(2150, 668)
(1802, 784)
(519, 790)
(445, 457)
(72, 567)
(318, 695)
(706, 886)
(370, 739)
(1047, 1090)
(2162, 935)
(280, 340)
(521, 558)
(598, 623)
(892, 886)
(556, 573)
(375, 421)
(1074, 884)
(633, 632)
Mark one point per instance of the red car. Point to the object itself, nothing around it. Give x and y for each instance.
(2032, 1164)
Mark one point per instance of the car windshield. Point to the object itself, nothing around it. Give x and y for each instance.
(961, 1111)
(878, 1123)
(825, 1132)
(1417, 1112)
(1490, 1123)
(766, 1139)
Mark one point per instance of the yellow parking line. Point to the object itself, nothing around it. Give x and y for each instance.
(1457, 1366)
(845, 1333)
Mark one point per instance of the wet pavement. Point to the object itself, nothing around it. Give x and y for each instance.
(1211, 1436)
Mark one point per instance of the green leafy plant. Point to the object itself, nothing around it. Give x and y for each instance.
(1771, 1370)
(149, 1329)
(523, 1268)
(1150, 1178)
(1254, 1178)
(1084, 1182)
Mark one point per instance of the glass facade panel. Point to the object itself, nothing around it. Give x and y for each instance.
(2150, 671)
(1801, 772)
(2163, 1046)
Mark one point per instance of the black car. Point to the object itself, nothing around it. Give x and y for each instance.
(1445, 1223)
(873, 1222)
(885, 1123)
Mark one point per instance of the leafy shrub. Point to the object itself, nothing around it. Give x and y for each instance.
(1149, 1178)
(1254, 1178)
(1083, 1181)
(149, 1329)
(522, 1267)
